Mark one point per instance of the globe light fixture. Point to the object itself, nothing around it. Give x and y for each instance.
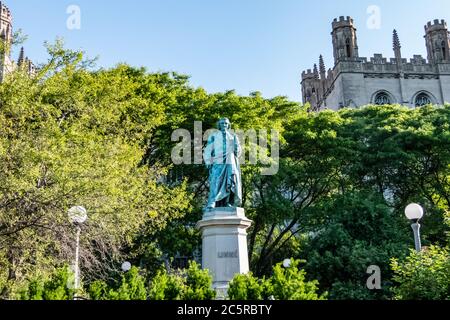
(77, 215)
(126, 266)
(287, 263)
(414, 212)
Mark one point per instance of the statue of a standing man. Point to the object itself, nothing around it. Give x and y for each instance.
(221, 156)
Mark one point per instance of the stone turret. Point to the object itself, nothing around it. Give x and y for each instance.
(438, 41)
(345, 41)
(6, 35)
(322, 68)
(21, 59)
(397, 46)
(314, 84)
(5, 23)
(7, 65)
(310, 85)
(316, 72)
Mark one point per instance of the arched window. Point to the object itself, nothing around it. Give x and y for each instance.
(349, 48)
(422, 100)
(382, 98)
(444, 50)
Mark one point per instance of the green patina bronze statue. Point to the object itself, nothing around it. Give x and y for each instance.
(221, 156)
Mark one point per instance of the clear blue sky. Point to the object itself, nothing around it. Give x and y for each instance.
(247, 45)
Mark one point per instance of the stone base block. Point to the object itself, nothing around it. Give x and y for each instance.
(225, 253)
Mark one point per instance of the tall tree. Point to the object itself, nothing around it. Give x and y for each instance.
(69, 137)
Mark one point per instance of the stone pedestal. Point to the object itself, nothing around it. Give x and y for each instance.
(225, 253)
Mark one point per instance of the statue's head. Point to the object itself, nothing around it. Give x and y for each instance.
(224, 124)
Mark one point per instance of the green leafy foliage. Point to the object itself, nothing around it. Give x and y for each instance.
(357, 230)
(166, 287)
(198, 284)
(423, 276)
(58, 287)
(247, 287)
(191, 284)
(69, 137)
(131, 287)
(74, 135)
(338, 201)
(284, 284)
(291, 284)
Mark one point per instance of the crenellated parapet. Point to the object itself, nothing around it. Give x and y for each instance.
(437, 40)
(343, 22)
(308, 75)
(5, 23)
(348, 62)
(378, 63)
(5, 13)
(436, 25)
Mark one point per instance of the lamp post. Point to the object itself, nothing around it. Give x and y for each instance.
(414, 212)
(77, 215)
(126, 266)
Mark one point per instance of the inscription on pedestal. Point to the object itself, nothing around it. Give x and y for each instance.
(228, 254)
(224, 250)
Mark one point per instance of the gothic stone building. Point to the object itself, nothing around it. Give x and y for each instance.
(356, 81)
(7, 65)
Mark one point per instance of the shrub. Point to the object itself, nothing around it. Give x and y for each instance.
(132, 287)
(166, 287)
(285, 284)
(58, 287)
(247, 287)
(198, 284)
(191, 284)
(423, 276)
(291, 284)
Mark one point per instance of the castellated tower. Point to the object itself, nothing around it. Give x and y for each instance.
(314, 84)
(345, 41)
(6, 34)
(310, 87)
(7, 65)
(5, 23)
(437, 40)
